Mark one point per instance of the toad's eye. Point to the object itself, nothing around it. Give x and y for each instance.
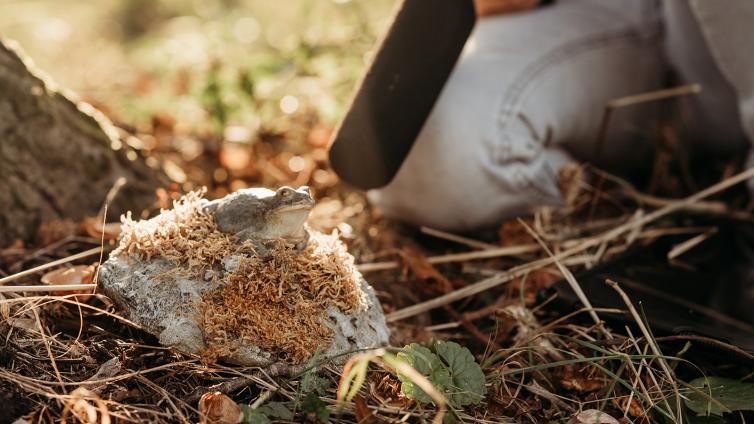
(285, 192)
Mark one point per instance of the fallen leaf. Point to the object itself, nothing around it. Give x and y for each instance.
(51, 231)
(217, 408)
(635, 408)
(593, 416)
(573, 379)
(235, 156)
(362, 412)
(386, 389)
(14, 250)
(111, 368)
(320, 135)
(512, 233)
(715, 395)
(419, 265)
(79, 274)
(570, 181)
(94, 228)
(86, 406)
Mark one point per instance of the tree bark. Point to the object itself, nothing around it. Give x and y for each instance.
(58, 156)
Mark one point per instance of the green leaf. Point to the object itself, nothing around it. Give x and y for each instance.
(451, 368)
(310, 382)
(715, 395)
(315, 408)
(253, 416)
(262, 414)
(280, 410)
(467, 379)
(428, 364)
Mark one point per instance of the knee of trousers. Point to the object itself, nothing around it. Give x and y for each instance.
(456, 184)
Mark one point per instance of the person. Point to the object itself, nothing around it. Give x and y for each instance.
(528, 96)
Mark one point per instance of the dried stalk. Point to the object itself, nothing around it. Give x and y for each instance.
(77, 256)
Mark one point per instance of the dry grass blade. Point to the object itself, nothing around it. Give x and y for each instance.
(458, 239)
(62, 261)
(653, 346)
(689, 244)
(456, 257)
(46, 288)
(575, 286)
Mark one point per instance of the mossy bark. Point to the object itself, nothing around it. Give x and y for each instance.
(56, 154)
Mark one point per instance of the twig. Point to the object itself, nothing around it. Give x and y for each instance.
(714, 207)
(681, 248)
(49, 351)
(47, 288)
(261, 399)
(458, 239)
(77, 256)
(239, 383)
(456, 257)
(709, 342)
(469, 290)
(637, 99)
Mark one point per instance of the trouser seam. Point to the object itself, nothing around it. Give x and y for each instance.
(510, 102)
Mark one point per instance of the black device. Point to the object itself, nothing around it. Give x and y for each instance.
(396, 95)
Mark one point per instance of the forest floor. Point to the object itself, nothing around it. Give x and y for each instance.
(245, 93)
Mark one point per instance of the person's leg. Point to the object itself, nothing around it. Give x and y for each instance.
(527, 88)
(709, 122)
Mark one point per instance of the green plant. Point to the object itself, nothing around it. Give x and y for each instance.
(450, 368)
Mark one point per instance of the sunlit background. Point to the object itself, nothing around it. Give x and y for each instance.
(223, 93)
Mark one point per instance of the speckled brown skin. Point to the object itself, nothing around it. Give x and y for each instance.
(262, 215)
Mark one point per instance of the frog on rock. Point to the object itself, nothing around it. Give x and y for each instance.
(261, 215)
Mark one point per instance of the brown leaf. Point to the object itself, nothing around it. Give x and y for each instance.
(574, 379)
(593, 416)
(319, 136)
(570, 180)
(235, 156)
(217, 408)
(94, 228)
(79, 274)
(535, 282)
(423, 270)
(512, 233)
(363, 413)
(634, 408)
(386, 389)
(14, 250)
(52, 231)
(111, 368)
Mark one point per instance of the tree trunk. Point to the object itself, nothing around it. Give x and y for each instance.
(58, 157)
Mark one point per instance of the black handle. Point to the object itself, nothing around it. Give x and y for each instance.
(399, 90)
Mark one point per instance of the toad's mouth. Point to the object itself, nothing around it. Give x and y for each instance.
(291, 208)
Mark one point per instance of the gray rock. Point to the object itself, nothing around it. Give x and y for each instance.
(168, 307)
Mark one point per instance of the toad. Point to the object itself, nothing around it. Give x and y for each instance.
(261, 215)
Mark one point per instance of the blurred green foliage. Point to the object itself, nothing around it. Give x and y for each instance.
(207, 63)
